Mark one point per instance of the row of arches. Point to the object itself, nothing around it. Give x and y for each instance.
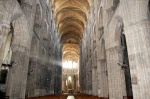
(30, 49)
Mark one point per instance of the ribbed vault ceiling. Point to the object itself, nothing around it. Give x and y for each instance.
(71, 17)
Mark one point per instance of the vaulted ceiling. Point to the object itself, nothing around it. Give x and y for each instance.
(71, 18)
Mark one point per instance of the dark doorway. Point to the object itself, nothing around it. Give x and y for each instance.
(115, 3)
(148, 11)
(126, 71)
(3, 76)
(19, 1)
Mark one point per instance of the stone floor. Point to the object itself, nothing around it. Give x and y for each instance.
(70, 97)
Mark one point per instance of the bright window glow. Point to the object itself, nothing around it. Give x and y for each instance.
(69, 64)
(69, 79)
(74, 65)
(66, 82)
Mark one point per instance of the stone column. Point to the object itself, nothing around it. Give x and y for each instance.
(17, 76)
(94, 59)
(104, 78)
(93, 81)
(90, 82)
(116, 79)
(100, 79)
(65, 89)
(63, 84)
(42, 70)
(4, 30)
(77, 84)
(52, 78)
(99, 69)
(138, 44)
(96, 84)
(29, 9)
(86, 84)
(33, 77)
(34, 66)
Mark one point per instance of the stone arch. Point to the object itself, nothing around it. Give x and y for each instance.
(103, 50)
(148, 11)
(38, 14)
(75, 81)
(64, 38)
(37, 21)
(126, 61)
(19, 1)
(34, 46)
(7, 53)
(120, 40)
(115, 3)
(89, 1)
(34, 50)
(118, 30)
(47, 2)
(100, 28)
(36, 29)
(101, 17)
(20, 52)
(72, 36)
(6, 57)
(104, 70)
(21, 33)
(45, 33)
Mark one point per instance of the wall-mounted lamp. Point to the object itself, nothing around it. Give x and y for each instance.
(123, 66)
(12, 64)
(47, 79)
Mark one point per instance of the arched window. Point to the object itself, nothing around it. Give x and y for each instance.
(47, 1)
(3, 76)
(37, 21)
(45, 34)
(69, 79)
(115, 3)
(149, 5)
(19, 1)
(148, 12)
(101, 17)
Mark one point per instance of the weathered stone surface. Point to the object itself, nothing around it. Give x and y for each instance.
(33, 58)
(96, 34)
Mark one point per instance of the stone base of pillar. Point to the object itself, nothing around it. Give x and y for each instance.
(42, 92)
(90, 92)
(99, 93)
(51, 92)
(86, 91)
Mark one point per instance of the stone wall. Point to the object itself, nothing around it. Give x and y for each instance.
(107, 20)
(35, 48)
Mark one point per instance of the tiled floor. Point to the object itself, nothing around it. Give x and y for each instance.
(70, 97)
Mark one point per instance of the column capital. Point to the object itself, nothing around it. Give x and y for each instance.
(94, 67)
(116, 49)
(5, 23)
(21, 48)
(4, 27)
(101, 60)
